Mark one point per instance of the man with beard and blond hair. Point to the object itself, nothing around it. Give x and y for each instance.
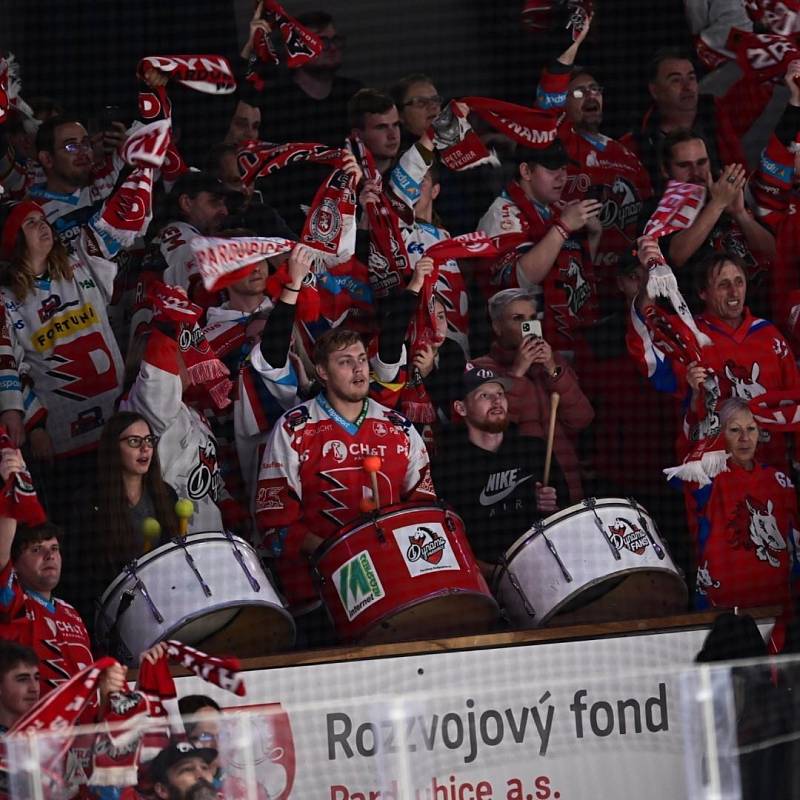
(492, 475)
(313, 480)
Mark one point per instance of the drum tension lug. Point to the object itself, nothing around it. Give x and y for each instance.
(379, 532)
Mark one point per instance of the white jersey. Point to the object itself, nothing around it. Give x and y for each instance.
(187, 449)
(60, 345)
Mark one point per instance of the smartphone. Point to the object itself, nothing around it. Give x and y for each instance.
(531, 327)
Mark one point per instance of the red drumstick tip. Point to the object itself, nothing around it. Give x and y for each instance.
(366, 506)
(372, 464)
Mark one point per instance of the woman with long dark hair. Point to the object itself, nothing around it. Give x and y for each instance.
(130, 512)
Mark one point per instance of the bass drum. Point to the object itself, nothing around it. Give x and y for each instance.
(407, 572)
(601, 560)
(207, 589)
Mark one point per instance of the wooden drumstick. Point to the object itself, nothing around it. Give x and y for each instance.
(551, 432)
(184, 509)
(372, 465)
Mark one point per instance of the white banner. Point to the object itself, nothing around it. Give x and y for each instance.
(577, 719)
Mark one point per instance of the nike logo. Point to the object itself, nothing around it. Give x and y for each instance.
(501, 485)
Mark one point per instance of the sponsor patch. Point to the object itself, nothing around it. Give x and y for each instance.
(357, 584)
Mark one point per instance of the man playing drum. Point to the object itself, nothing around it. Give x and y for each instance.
(313, 479)
(491, 474)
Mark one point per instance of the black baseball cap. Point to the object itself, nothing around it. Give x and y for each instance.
(554, 156)
(175, 752)
(474, 377)
(192, 183)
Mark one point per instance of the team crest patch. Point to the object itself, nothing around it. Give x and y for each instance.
(326, 222)
(425, 549)
(628, 535)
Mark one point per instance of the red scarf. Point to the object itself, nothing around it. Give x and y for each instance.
(170, 305)
(301, 44)
(778, 410)
(222, 262)
(677, 210)
(209, 74)
(456, 143)
(415, 402)
(308, 300)
(18, 498)
(147, 145)
(58, 713)
(388, 260)
(135, 724)
(4, 102)
(259, 159)
(531, 127)
(126, 213)
(762, 57)
(334, 201)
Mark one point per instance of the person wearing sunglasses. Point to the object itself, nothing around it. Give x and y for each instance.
(126, 494)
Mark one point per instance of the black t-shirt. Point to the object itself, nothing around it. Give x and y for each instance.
(494, 492)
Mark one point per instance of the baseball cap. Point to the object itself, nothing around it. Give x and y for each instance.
(175, 752)
(192, 183)
(474, 377)
(553, 156)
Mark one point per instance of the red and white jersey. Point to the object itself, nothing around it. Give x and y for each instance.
(312, 479)
(187, 449)
(746, 362)
(52, 628)
(607, 167)
(569, 295)
(263, 394)
(744, 526)
(60, 340)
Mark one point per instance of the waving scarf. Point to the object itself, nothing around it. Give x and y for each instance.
(677, 210)
(18, 498)
(301, 44)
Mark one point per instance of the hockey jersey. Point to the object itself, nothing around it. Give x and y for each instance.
(187, 449)
(60, 341)
(312, 479)
(745, 529)
(52, 628)
(613, 173)
(69, 212)
(568, 294)
(263, 392)
(747, 362)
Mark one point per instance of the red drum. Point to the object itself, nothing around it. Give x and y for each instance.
(406, 572)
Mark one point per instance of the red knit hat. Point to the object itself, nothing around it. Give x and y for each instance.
(13, 224)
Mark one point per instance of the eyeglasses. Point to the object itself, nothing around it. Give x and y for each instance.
(424, 102)
(203, 737)
(579, 92)
(76, 147)
(329, 42)
(135, 442)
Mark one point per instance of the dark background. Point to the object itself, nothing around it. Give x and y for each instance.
(84, 53)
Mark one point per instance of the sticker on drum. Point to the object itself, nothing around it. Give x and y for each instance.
(357, 584)
(425, 548)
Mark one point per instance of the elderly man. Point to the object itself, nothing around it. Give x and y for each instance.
(535, 373)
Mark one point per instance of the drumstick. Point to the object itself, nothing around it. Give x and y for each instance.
(372, 465)
(551, 432)
(184, 509)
